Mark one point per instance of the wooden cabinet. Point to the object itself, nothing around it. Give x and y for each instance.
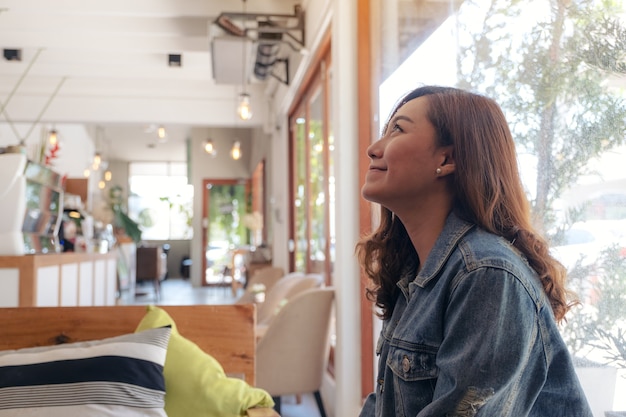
(79, 187)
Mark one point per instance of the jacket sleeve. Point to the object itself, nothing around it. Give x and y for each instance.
(369, 406)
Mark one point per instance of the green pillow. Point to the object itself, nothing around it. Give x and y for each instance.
(195, 382)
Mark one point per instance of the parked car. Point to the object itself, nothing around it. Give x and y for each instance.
(585, 241)
(582, 253)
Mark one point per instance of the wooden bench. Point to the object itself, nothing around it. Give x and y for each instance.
(227, 332)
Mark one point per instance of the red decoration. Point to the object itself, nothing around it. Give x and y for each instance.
(52, 153)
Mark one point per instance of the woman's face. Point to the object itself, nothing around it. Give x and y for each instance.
(402, 171)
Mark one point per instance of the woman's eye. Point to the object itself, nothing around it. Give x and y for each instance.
(396, 128)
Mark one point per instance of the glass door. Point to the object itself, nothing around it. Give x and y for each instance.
(225, 236)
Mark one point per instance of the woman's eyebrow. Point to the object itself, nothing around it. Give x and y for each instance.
(400, 117)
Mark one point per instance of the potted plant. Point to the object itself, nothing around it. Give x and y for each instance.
(121, 221)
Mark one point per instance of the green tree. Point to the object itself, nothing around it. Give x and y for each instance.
(552, 66)
(599, 325)
(550, 75)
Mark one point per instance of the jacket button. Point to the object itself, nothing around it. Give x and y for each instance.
(406, 364)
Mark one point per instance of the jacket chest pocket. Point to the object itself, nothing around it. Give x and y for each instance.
(414, 378)
(413, 364)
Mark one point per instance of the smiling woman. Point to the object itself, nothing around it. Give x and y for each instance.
(535, 59)
(456, 258)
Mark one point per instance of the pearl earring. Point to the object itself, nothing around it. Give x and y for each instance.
(438, 170)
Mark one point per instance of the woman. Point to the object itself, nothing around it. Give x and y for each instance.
(467, 290)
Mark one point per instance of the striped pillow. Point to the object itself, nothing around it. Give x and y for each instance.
(118, 376)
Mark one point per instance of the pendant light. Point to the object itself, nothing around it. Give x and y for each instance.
(161, 134)
(244, 110)
(53, 137)
(235, 152)
(210, 148)
(97, 160)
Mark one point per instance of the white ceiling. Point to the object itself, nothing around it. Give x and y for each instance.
(105, 63)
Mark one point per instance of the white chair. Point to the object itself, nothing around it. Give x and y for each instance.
(284, 289)
(292, 356)
(267, 276)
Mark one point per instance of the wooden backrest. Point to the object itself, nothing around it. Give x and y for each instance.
(226, 332)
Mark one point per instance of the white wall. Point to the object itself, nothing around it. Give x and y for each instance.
(75, 141)
(342, 396)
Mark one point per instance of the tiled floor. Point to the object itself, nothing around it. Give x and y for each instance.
(177, 291)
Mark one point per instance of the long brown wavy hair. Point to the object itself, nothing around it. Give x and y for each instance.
(487, 191)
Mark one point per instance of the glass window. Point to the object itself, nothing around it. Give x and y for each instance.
(312, 181)
(555, 68)
(317, 184)
(312, 231)
(161, 200)
(300, 192)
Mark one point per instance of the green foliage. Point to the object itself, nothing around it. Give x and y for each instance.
(228, 205)
(550, 65)
(600, 324)
(131, 228)
(120, 218)
(183, 209)
(551, 81)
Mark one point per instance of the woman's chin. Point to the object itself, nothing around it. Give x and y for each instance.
(369, 194)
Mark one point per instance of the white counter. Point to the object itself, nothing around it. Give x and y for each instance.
(64, 279)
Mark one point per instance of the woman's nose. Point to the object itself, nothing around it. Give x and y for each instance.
(375, 149)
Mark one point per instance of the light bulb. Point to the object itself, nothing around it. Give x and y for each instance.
(243, 110)
(161, 133)
(209, 148)
(108, 175)
(235, 152)
(52, 138)
(97, 159)
(101, 184)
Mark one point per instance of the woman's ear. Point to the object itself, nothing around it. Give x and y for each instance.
(447, 165)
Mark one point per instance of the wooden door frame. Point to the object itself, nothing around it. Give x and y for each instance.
(368, 77)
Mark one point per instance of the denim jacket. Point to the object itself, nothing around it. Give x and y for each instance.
(473, 334)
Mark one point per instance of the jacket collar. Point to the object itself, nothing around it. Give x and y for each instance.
(453, 231)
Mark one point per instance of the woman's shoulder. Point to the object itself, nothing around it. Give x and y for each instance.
(485, 253)
(486, 247)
